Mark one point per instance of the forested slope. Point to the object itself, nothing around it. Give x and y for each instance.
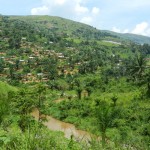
(77, 74)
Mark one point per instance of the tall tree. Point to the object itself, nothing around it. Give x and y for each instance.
(138, 66)
(105, 115)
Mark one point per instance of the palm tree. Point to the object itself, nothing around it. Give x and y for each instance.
(137, 69)
(106, 114)
(147, 81)
(41, 91)
(140, 71)
(79, 88)
(22, 103)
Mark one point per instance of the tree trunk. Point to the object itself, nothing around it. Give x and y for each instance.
(148, 89)
(103, 138)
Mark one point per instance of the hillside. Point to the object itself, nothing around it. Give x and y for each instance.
(70, 28)
(77, 30)
(74, 79)
(139, 39)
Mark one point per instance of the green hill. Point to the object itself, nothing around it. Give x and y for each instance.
(64, 26)
(139, 39)
(98, 81)
(78, 30)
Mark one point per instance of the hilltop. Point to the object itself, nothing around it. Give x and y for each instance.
(79, 30)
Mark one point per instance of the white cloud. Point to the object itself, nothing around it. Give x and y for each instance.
(115, 29)
(64, 7)
(43, 10)
(77, 10)
(86, 20)
(80, 9)
(148, 32)
(95, 10)
(59, 2)
(142, 28)
(101, 14)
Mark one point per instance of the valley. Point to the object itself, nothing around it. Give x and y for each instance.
(93, 81)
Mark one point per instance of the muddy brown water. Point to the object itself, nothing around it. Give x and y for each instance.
(67, 128)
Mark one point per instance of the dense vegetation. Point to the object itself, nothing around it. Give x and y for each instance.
(93, 79)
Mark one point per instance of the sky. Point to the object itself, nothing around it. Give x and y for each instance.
(124, 16)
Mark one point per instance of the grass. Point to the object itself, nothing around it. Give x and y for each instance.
(5, 88)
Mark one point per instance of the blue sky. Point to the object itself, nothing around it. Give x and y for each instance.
(125, 16)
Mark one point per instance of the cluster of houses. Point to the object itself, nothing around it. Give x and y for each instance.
(36, 55)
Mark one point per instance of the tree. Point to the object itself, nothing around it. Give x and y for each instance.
(22, 103)
(147, 81)
(79, 92)
(15, 42)
(145, 48)
(4, 107)
(41, 91)
(1, 65)
(114, 99)
(11, 71)
(105, 115)
(137, 69)
(89, 90)
(78, 88)
(17, 64)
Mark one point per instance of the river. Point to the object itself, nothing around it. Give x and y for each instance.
(67, 128)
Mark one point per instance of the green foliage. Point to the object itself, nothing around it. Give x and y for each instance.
(78, 74)
(35, 138)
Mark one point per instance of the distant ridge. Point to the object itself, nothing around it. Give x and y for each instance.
(139, 39)
(77, 29)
